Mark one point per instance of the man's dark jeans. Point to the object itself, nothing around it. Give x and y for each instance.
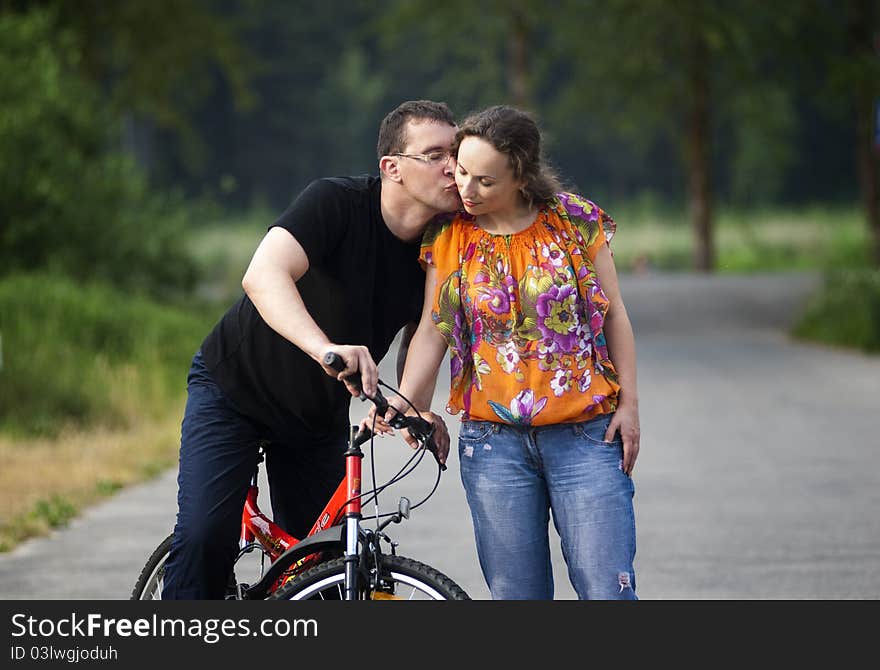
(218, 454)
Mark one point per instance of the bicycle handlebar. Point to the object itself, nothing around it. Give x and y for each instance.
(421, 430)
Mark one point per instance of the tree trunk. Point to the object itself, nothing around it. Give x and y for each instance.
(867, 167)
(861, 46)
(698, 156)
(518, 82)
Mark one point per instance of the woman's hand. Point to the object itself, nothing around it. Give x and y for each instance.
(382, 427)
(626, 420)
(441, 436)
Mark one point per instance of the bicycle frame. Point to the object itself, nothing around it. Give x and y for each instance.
(286, 551)
(327, 532)
(256, 526)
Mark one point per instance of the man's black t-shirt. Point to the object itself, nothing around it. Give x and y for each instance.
(362, 286)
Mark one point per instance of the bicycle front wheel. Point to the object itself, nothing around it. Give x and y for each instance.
(400, 579)
(152, 577)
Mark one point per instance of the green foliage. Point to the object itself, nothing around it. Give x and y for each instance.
(47, 513)
(459, 61)
(55, 511)
(764, 126)
(162, 56)
(652, 235)
(69, 349)
(67, 201)
(223, 247)
(846, 312)
(106, 487)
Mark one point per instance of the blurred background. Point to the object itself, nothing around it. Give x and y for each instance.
(145, 146)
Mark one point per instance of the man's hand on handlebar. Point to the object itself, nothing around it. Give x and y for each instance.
(357, 359)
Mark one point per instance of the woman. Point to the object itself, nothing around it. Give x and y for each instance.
(522, 290)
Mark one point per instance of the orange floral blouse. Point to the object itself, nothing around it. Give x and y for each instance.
(523, 315)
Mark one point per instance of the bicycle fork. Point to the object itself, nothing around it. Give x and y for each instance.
(353, 458)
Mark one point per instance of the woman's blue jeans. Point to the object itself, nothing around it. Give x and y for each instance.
(515, 475)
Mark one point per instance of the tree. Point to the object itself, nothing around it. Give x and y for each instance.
(857, 75)
(641, 69)
(499, 56)
(67, 202)
(682, 67)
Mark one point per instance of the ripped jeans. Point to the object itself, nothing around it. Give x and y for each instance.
(515, 475)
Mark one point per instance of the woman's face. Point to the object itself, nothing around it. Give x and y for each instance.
(485, 179)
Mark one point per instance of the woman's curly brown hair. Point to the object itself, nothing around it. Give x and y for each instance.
(514, 133)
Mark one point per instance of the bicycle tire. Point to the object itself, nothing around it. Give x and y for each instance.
(149, 583)
(415, 580)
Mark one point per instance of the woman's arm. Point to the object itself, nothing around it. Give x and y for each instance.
(405, 338)
(426, 350)
(622, 349)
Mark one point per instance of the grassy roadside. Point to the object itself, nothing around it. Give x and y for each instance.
(845, 312)
(92, 384)
(44, 482)
(814, 237)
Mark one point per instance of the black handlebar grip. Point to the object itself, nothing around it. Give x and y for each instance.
(335, 361)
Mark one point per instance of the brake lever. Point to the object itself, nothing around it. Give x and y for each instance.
(414, 425)
(399, 420)
(427, 438)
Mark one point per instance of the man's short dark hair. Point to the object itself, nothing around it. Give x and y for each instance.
(392, 130)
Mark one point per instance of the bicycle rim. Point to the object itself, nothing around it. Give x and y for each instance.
(155, 583)
(151, 580)
(402, 579)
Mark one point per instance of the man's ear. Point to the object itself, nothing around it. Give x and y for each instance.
(390, 168)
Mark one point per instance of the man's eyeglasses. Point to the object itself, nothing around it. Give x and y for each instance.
(438, 157)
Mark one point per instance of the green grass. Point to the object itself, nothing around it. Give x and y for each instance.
(846, 312)
(223, 249)
(814, 237)
(88, 354)
(92, 383)
(46, 514)
(650, 235)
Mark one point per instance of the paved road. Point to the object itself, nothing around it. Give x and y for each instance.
(759, 476)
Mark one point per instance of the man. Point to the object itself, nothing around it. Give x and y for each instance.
(338, 271)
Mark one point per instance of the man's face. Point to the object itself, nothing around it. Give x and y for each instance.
(427, 174)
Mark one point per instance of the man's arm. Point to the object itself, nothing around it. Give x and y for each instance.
(270, 283)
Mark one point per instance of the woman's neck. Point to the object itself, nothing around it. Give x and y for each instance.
(508, 221)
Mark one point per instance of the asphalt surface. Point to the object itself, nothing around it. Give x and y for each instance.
(759, 475)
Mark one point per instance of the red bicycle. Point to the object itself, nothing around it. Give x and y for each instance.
(340, 558)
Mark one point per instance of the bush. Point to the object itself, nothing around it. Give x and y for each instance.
(88, 354)
(68, 201)
(845, 312)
